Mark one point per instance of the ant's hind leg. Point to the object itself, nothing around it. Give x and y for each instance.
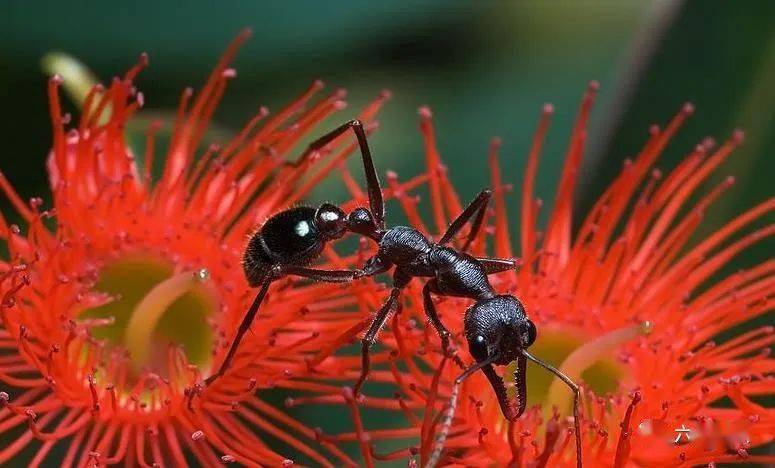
(444, 333)
(371, 335)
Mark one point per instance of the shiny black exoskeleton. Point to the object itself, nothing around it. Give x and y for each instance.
(292, 239)
(496, 326)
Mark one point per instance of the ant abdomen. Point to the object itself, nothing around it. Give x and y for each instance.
(256, 264)
(291, 240)
(288, 238)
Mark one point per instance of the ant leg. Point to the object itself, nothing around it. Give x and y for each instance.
(497, 265)
(449, 414)
(430, 311)
(478, 207)
(371, 335)
(576, 397)
(376, 204)
(247, 320)
(326, 276)
(375, 265)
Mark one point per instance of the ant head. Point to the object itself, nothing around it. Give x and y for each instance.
(498, 326)
(362, 222)
(330, 221)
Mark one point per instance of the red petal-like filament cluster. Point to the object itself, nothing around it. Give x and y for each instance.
(630, 265)
(631, 262)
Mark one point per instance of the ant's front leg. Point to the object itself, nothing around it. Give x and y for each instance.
(444, 333)
(477, 208)
(498, 265)
(325, 276)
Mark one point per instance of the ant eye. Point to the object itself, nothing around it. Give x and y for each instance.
(530, 334)
(478, 348)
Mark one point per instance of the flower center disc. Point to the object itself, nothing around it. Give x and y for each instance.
(183, 319)
(554, 347)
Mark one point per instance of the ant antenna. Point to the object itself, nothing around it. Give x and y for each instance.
(576, 395)
(446, 421)
(449, 414)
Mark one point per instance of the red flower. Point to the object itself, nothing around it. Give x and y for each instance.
(135, 262)
(626, 304)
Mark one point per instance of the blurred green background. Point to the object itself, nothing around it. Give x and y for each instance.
(485, 68)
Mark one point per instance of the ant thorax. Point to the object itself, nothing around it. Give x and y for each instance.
(403, 245)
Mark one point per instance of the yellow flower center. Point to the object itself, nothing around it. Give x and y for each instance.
(152, 308)
(590, 361)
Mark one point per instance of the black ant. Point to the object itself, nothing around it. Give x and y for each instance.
(496, 327)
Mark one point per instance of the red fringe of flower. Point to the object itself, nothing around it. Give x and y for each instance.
(630, 263)
(62, 384)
